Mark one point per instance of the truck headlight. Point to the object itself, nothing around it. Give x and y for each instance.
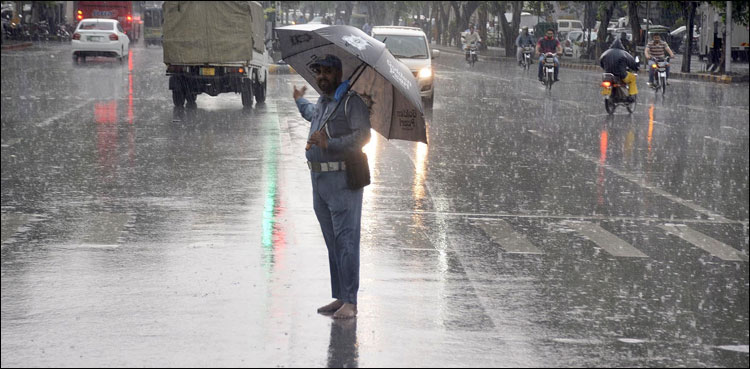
(426, 72)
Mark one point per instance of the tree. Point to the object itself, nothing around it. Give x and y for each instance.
(510, 31)
(635, 23)
(606, 9)
(542, 9)
(740, 11)
(463, 11)
(688, 10)
(482, 26)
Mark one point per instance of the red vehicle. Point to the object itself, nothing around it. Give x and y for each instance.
(118, 10)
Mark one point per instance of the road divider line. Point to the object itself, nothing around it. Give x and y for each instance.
(711, 245)
(501, 233)
(604, 239)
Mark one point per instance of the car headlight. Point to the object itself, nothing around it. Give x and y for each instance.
(426, 72)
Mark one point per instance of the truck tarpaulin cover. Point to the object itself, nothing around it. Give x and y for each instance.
(212, 31)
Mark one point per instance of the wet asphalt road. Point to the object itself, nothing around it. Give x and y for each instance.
(532, 231)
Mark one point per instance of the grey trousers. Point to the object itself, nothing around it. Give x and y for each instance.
(339, 212)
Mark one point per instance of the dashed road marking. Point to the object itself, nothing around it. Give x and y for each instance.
(606, 240)
(501, 233)
(712, 246)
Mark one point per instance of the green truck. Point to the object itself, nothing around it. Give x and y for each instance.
(215, 47)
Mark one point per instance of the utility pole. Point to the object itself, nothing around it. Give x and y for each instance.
(728, 40)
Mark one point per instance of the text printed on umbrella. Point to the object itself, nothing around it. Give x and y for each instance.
(407, 119)
(398, 75)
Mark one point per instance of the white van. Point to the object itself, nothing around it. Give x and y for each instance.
(567, 25)
(409, 45)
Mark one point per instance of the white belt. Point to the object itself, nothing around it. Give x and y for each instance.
(326, 166)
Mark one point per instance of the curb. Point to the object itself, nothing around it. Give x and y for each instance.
(706, 77)
(17, 46)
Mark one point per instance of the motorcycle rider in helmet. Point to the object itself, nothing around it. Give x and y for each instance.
(617, 61)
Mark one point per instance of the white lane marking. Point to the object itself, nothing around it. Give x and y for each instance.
(606, 240)
(717, 140)
(642, 183)
(501, 233)
(62, 114)
(737, 348)
(712, 246)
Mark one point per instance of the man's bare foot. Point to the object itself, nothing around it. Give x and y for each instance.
(347, 311)
(331, 308)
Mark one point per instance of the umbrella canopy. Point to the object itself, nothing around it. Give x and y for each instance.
(383, 82)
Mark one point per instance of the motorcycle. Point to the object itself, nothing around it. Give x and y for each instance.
(615, 93)
(472, 55)
(62, 33)
(660, 79)
(549, 70)
(526, 62)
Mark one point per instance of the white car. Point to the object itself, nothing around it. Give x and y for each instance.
(409, 45)
(100, 37)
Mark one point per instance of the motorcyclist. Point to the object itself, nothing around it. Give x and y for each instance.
(617, 60)
(548, 44)
(524, 39)
(656, 49)
(471, 38)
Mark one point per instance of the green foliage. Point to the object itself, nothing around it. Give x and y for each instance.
(740, 11)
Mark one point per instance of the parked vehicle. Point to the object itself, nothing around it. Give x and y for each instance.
(235, 59)
(660, 79)
(62, 33)
(568, 25)
(99, 37)
(569, 41)
(409, 45)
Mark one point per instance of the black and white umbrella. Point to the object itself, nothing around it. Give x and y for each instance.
(386, 84)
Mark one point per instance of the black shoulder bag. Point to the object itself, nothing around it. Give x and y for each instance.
(357, 167)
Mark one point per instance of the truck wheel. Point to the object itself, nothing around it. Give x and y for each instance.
(247, 95)
(178, 97)
(260, 92)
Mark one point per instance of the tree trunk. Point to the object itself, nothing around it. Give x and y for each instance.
(483, 26)
(510, 30)
(635, 24)
(348, 7)
(605, 14)
(690, 10)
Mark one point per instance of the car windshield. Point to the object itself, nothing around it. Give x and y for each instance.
(99, 26)
(412, 47)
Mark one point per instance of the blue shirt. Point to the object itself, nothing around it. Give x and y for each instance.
(347, 130)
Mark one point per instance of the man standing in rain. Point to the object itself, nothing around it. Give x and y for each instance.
(337, 207)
